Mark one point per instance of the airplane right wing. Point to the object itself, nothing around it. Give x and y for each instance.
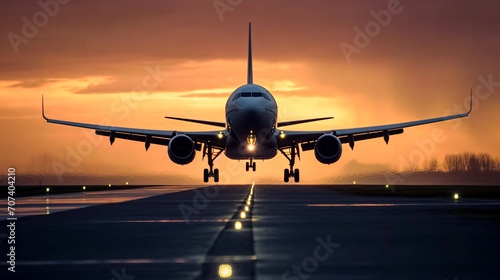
(308, 138)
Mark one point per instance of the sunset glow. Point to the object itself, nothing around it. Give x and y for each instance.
(134, 63)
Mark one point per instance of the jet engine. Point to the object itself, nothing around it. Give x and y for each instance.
(181, 149)
(328, 149)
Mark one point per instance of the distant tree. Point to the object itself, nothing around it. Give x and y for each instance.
(488, 163)
(470, 162)
(431, 166)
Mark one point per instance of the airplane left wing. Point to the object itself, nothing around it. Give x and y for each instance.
(147, 136)
(350, 135)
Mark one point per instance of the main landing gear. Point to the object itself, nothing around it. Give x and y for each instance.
(208, 150)
(251, 164)
(290, 154)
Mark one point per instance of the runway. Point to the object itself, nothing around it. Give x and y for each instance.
(288, 232)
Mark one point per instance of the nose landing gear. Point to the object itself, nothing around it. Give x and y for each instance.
(250, 164)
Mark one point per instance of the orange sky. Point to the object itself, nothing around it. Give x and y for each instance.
(89, 57)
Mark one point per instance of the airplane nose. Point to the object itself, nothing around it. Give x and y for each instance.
(252, 113)
(248, 115)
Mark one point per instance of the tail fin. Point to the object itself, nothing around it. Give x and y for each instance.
(250, 67)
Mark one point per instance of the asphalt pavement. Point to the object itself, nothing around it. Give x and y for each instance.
(286, 232)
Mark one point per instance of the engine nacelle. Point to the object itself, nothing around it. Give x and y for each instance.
(181, 149)
(328, 149)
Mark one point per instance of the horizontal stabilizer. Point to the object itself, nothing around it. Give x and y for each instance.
(219, 124)
(281, 124)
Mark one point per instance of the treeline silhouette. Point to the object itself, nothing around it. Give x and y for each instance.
(464, 162)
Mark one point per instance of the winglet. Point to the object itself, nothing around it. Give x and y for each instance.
(250, 66)
(43, 110)
(470, 106)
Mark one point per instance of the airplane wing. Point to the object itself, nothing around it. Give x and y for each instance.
(147, 136)
(308, 138)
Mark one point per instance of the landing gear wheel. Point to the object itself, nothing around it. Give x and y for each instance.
(205, 175)
(247, 166)
(216, 175)
(290, 154)
(254, 166)
(296, 176)
(208, 151)
(286, 176)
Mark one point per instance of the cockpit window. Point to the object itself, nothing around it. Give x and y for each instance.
(265, 96)
(251, 94)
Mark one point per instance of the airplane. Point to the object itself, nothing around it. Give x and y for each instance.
(252, 132)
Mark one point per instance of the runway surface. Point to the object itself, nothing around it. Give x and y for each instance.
(288, 232)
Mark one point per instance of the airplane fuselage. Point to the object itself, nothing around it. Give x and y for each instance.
(251, 115)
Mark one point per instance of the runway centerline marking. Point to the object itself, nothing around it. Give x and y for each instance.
(232, 254)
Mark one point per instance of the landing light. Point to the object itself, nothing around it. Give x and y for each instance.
(251, 147)
(220, 135)
(282, 135)
(225, 271)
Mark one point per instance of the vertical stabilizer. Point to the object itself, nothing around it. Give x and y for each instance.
(250, 67)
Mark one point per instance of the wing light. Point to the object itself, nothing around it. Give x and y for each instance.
(282, 135)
